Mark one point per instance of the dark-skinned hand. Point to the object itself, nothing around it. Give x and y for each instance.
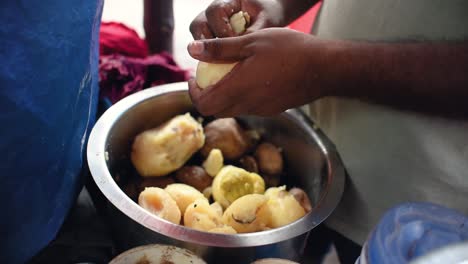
(275, 71)
(214, 21)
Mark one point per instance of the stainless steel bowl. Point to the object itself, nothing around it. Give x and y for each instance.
(312, 163)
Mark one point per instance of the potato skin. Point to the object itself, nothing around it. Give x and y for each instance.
(226, 135)
(269, 158)
(302, 197)
(194, 176)
(249, 164)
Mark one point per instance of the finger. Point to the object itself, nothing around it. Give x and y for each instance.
(259, 23)
(206, 103)
(218, 14)
(219, 50)
(199, 27)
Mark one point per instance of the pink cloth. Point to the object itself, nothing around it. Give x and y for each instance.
(126, 68)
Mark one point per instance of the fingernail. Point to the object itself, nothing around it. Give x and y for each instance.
(196, 47)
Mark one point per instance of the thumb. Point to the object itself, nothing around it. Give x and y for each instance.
(219, 50)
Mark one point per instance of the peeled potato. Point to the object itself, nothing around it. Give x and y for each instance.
(162, 150)
(218, 208)
(214, 162)
(249, 213)
(284, 208)
(226, 135)
(239, 21)
(302, 198)
(201, 216)
(160, 203)
(210, 73)
(233, 182)
(183, 194)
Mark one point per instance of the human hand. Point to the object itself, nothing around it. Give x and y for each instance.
(278, 69)
(214, 21)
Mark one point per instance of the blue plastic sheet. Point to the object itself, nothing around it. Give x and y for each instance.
(412, 230)
(48, 95)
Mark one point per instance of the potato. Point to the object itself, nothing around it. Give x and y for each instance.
(269, 159)
(214, 162)
(208, 74)
(208, 192)
(223, 230)
(247, 214)
(201, 216)
(249, 164)
(239, 22)
(226, 135)
(218, 208)
(233, 182)
(162, 150)
(183, 195)
(271, 180)
(160, 203)
(302, 198)
(283, 207)
(194, 176)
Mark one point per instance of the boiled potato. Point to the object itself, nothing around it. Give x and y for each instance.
(208, 74)
(214, 162)
(233, 182)
(218, 208)
(283, 207)
(269, 159)
(302, 198)
(239, 22)
(160, 203)
(249, 164)
(201, 216)
(207, 192)
(194, 176)
(183, 194)
(226, 135)
(162, 150)
(249, 213)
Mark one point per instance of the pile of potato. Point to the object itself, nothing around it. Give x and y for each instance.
(216, 178)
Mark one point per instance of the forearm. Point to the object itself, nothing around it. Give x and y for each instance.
(158, 22)
(424, 77)
(295, 8)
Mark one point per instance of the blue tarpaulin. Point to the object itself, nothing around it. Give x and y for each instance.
(48, 95)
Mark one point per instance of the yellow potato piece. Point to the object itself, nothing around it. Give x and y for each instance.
(233, 182)
(283, 207)
(160, 203)
(162, 150)
(211, 73)
(248, 214)
(239, 21)
(214, 162)
(201, 216)
(183, 194)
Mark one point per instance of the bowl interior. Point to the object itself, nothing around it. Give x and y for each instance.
(305, 162)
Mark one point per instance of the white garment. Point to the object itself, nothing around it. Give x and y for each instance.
(393, 156)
